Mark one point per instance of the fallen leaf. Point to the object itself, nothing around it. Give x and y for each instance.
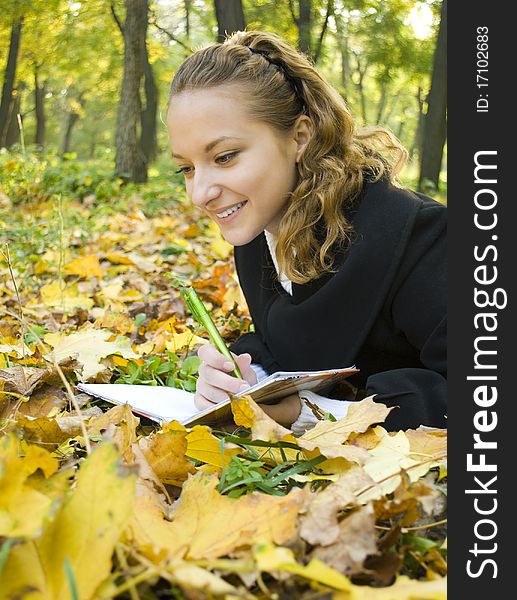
(270, 558)
(118, 424)
(329, 436)
(85, 266)
(403, 589)
(65, 296)
(247, 413)
(386, 461)
(165, 453)
(355, 541)
(90, 519)
(208, 525)
(88, 347)
(320, 523)
(203, 446)
(22, 508)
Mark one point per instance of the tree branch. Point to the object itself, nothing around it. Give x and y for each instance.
(170, 35)
(117, 20)
(291, 8)
(330, 10)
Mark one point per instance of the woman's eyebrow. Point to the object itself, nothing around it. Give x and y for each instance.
(213, 144)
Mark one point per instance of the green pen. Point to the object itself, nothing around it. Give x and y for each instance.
(199, 312)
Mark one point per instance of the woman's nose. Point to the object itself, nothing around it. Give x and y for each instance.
(203, 189)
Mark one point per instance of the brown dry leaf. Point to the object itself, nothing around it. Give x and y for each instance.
(204, 446)
(165, 453)
(118, 424)
(90, 520)
(411, 500)
(209, 525)
(320, 523)
(44, 402)
(356, 540)
(24, 380)
(88, 346)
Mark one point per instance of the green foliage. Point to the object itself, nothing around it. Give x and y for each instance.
(253, 471)
(167, 370)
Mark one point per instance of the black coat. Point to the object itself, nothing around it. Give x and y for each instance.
(384, 310)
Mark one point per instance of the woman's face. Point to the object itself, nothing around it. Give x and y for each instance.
(238, 170)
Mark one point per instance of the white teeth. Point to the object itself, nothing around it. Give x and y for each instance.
(228, 212)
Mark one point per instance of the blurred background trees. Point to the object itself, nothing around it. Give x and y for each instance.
(90, 79)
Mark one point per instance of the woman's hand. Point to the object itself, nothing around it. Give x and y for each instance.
(286, 411)
(216, 380)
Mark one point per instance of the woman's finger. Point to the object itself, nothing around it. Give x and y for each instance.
(211, 393)
(211, 356)
(220, 380)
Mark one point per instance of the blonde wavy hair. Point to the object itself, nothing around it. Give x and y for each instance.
(280, 85)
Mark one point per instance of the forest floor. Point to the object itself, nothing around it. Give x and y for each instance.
(98, 503)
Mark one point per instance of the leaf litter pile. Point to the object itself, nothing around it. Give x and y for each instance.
(97, 503)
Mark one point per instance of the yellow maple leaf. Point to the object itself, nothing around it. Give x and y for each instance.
(208, 525)
(90, 520)
(66, 298)
(22, 508)
(88, 346)
(165, 453)
(85, 266)
(202, 445)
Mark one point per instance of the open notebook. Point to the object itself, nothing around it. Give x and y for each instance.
(164, 404)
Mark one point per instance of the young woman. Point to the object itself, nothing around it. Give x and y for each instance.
(338, 264)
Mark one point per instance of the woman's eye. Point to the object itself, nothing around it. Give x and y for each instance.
(184, 170)
(225, 158)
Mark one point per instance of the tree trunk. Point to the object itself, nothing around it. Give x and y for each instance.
(382, 102)
(12, 131)
(305, 26)
(419, 131)
(73, 117)
(9, 77)
(230, 17)
(342, 39)
(39, 98)
(148, 136)
(188, 6)
(435, 126)
(361, 72)
(130, 162)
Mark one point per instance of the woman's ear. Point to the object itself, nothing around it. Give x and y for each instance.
(302, 133)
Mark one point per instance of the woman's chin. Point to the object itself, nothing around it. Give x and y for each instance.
(240, 238)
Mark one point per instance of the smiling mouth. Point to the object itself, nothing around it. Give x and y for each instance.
(230, 211)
